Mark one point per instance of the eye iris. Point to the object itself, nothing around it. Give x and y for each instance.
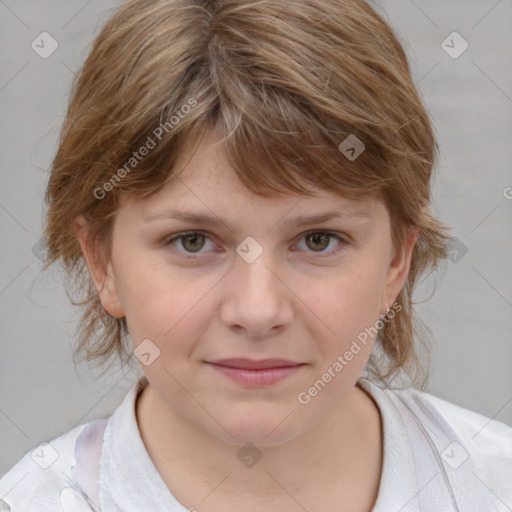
(194, 237)
(318, 236)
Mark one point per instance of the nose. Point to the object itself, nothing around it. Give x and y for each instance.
(257, 300)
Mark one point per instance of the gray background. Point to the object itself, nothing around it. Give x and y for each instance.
(42, 394)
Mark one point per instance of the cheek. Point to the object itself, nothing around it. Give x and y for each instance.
(163, 302)
(344, 305)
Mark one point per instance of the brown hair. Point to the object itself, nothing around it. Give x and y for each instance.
(288, 83)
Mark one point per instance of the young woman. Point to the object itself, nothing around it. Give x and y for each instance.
(242, 191)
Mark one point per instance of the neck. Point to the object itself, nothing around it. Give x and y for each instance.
(344, 449)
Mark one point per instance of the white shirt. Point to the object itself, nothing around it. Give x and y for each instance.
(106, 460)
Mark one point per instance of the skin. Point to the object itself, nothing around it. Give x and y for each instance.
(300, 300)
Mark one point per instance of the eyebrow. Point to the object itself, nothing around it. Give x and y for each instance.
(211, 220)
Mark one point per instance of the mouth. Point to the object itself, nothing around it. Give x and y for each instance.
(252, 372)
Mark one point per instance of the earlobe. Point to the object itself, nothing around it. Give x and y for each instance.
(100, 270)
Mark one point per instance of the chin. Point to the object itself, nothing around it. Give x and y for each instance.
(258, 428)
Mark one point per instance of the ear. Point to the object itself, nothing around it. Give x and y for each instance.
(101, 270)
(399, 268)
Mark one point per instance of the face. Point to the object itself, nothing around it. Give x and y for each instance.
(255, 284)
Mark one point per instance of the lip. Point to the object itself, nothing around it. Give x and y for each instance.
(254, 364)
(256, 372)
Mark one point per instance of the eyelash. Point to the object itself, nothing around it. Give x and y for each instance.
(342, 242)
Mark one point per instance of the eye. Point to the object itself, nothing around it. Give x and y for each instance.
(191, 241)
(318, 241)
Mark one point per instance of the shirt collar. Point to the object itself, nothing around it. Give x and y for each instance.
(129, 481)
(397, 488)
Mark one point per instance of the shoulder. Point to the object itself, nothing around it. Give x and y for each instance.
(472, 452)
(486, 437)
(48, 477)
(468, 434)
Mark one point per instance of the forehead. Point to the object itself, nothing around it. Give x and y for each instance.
(203, 180)
(201, 194)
